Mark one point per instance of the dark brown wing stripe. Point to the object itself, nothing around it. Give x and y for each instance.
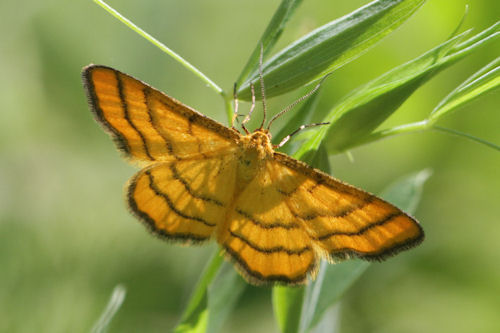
(342, 214)
(317, 175)
(361, 231)
(176, 175)
(200, 119)
(123, 99)
(271, 249)
(349, 210)
(266, 279)
(266, 225)
(318, 183)
(152, 225)
(170, 204)
(93, 100)
(147, 95)
(285, 193)
(383, 253)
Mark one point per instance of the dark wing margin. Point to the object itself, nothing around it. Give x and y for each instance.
(346, 221)
(148, 125)
(184, 200)
(93, 101)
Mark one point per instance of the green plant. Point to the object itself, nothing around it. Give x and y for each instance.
(353, 121)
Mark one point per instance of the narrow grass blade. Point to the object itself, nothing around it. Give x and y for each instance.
(161, 46)
(461, 23)
(114, 304)
(223, 294)
(485, 80)
(481, 37)
(327, 290)
(269, 37)
(195, 317)
(331, 46)
(214, 298)
(467, 136)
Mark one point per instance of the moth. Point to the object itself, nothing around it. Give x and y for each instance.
(272, 215)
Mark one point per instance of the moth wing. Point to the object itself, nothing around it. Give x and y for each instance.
(148, 125)
(263, 237)
(341, 220)
(183, 200)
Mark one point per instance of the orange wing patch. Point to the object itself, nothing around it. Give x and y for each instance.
(263, 236)
(343, 220)
(149, 126)
(183, 200)
(290, 215)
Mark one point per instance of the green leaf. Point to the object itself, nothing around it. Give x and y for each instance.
(114, 304)
(195, 317)
(333, 280)
(269, 37)
(357, 115)
(223, 295)
(214, 297)
(485, 80)
(366, 108)
(406, 192)
(331, 46)
(461, 23)
(482, 37)
(287, 305)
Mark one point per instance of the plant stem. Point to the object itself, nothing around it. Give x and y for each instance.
(418, 127)
(229, 109)
(114, 304)
(162, 47)
(403, 129)
(467, 136)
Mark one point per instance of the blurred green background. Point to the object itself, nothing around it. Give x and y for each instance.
(66, 238)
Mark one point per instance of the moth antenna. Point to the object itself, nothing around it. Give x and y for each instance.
(262, 89)
(291, 106)
(238, 120)
(289, 136)
(247, 118)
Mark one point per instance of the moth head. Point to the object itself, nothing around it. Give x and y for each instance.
(258, 141)
(261, 136)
